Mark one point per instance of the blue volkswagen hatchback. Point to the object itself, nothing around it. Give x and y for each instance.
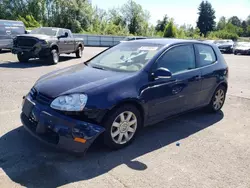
(122, 89)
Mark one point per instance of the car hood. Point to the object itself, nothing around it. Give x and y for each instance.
(38, 36)
(242, 48)
(76, 79)
(225, 45)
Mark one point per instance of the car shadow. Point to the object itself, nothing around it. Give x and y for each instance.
(33, 63)
(32, 164)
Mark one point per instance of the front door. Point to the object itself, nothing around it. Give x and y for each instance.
(62, 43)
(69, 41)
(169, 96)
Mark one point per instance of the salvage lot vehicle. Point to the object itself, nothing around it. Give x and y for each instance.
(9, 29)
(225, 46)
(47, 43)
(242, 48)
(123, 89)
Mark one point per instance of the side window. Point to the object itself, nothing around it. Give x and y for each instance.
(70, 33)
(206, 55)
(66, 31)
(60, 33)
(177, 59)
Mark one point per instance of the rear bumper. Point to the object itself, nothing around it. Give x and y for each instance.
(58, 130)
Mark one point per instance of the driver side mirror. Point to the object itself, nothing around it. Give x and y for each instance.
(162, 73)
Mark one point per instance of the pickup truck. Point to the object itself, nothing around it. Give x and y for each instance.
(47, 43)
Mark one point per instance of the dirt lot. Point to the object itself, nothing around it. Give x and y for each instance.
(194, 150)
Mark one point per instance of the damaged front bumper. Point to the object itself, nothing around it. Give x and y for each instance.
(38, 50)
(58, 130)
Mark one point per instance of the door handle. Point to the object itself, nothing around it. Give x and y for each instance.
(198, 77)
(177, 90)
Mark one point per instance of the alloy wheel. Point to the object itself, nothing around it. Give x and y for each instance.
(124, 127)
(56, 57)
(218, 99)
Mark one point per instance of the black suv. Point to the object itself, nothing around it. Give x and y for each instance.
(47, 43)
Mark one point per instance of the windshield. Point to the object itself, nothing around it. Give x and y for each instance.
(128, 57)
(45, 31)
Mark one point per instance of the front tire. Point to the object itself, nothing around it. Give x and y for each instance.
(218, 99)
(54, 57)
(79, 52)
(122, 126)
(22, 57)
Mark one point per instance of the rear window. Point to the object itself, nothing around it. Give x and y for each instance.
(206, 55)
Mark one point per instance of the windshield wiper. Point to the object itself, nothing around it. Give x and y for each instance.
(96, 67)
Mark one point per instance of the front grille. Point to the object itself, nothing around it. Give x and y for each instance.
(25, 42)
(39, 97)
(43, 99)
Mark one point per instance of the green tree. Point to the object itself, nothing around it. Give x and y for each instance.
(222, 23)
(244, 27)
(170, 30)
(29, 21)
(115, 16)
(248, 31)
(233, 29)
(235, 21)
(161, 24)
(248, 20)
(135, 17)
(206, 18)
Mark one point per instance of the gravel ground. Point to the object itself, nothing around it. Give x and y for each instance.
(193, 150)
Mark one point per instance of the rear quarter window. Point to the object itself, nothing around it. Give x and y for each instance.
(206, 55)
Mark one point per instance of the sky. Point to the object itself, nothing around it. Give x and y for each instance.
(183, 11)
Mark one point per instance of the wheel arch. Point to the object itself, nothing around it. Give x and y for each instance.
(79, 45)
(223, 84)
(54, 46)
(133, 102)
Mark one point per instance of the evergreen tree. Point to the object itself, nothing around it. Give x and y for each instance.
(206, 18)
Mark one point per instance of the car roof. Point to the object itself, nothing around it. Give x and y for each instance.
(167, 41)
(12, 21)
(55, 28)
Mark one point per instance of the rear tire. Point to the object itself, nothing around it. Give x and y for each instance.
(217, 100)
(122, 126)
(79, 52)
(54, 57)
(22, 57)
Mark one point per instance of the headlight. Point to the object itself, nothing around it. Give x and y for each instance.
(72, 103)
